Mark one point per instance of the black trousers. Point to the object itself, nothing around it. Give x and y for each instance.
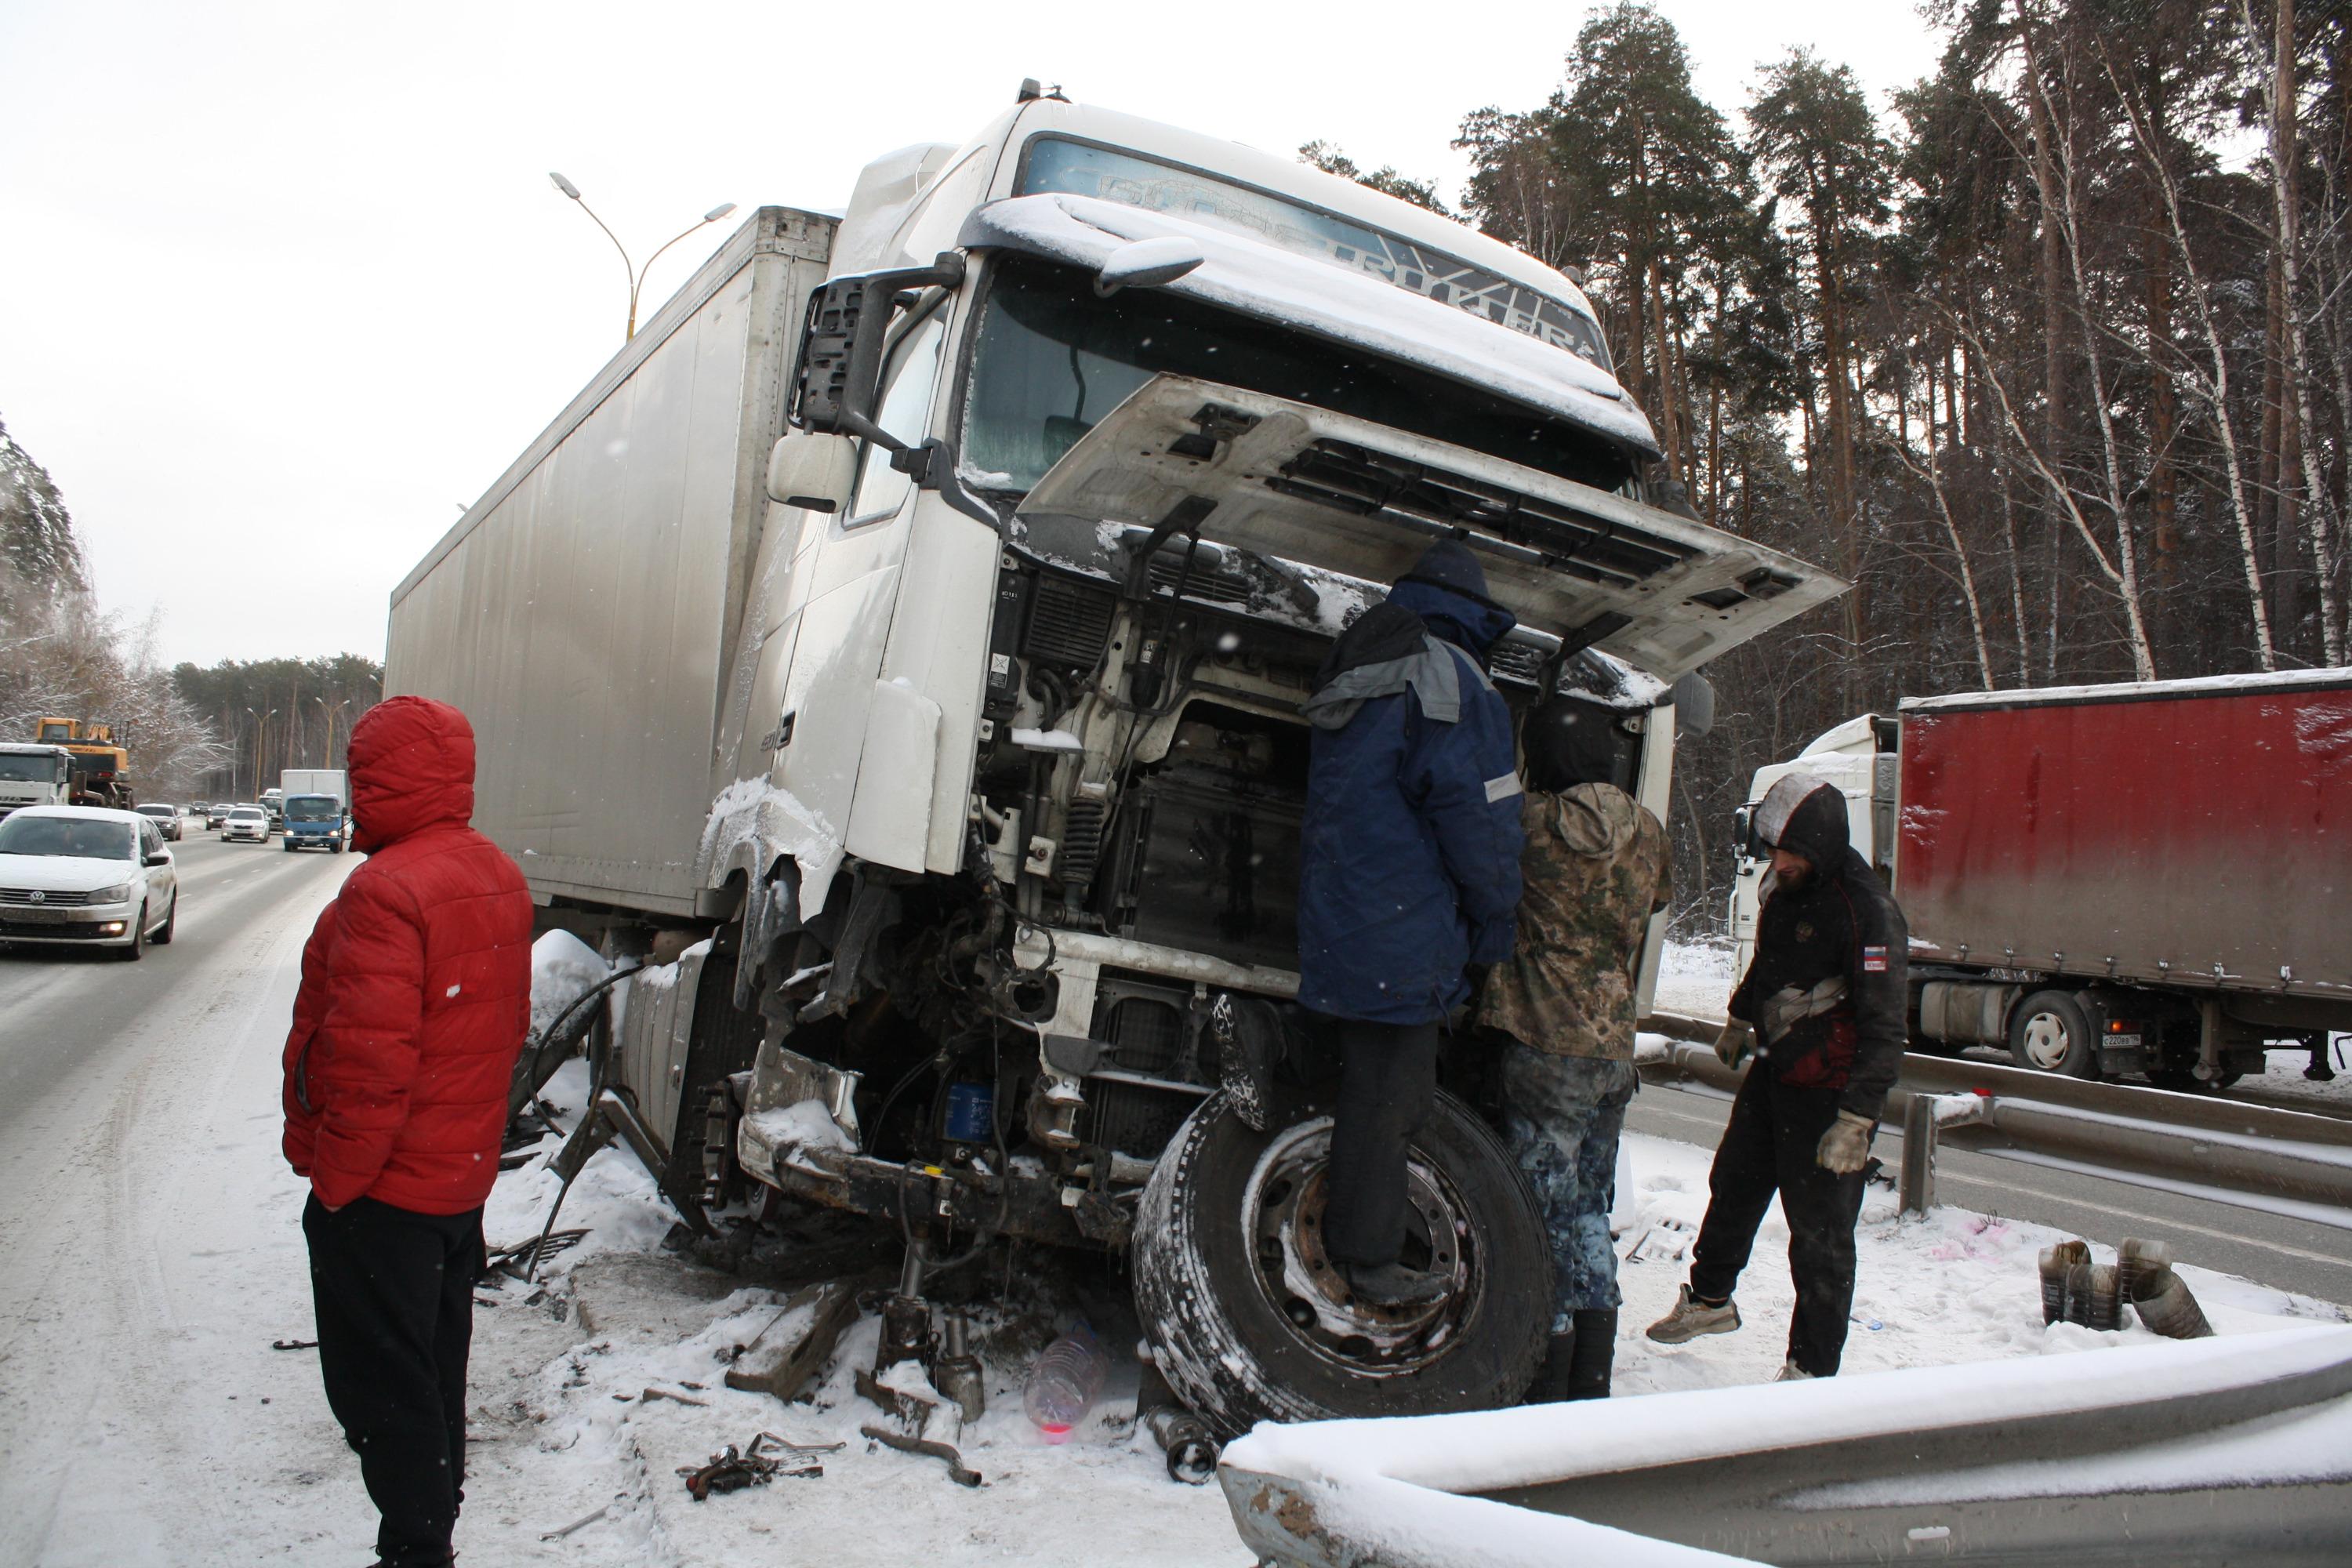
(1388, 1082)
(394, 1296)
(1769, 1146)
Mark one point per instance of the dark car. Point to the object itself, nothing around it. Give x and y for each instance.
(171, 821)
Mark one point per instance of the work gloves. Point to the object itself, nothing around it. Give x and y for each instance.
(1845, 1147)
(1735, 1043)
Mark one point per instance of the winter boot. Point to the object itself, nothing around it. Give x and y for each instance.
(1557, 1376)
(1692, 1317)
(1591, 1353)
(1393, 1286)
(1791, 1372)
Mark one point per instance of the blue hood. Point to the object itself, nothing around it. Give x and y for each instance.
(1472, 625)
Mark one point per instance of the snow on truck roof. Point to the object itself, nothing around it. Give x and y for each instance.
(2138, 690)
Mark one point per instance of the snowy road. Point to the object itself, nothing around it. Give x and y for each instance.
(149, 1232)
(2293, 1254)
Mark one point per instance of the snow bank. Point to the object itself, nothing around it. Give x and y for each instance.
(563, 970)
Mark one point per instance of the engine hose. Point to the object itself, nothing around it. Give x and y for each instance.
(599, 1073)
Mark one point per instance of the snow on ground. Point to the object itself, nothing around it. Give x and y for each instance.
(1694, 979)
(566, 1429)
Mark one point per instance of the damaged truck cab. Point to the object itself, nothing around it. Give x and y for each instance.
(902, 643)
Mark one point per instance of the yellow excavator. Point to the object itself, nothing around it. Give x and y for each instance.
(100, 769)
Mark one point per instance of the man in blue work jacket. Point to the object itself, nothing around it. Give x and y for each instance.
(1409, 873)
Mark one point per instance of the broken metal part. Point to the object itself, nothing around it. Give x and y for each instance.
(732, 1469)
(958, 1375)
(911, 1408)
(958, 1471)
(293, 1344)
(1191, 1450)
(519, 1261)
(582, 1523)
(654, 1391)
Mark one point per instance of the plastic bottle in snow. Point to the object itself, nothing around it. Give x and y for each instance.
(1065, 1382)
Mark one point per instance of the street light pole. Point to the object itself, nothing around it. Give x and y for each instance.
(637, 275)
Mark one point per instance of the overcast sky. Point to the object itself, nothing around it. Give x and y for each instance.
(284, 287)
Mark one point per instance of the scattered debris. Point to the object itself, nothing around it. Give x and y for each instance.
(582, 1523)
(516, 1261)
(654, 1391)
(812, 1321)
(958, 1471)
(732, 1469)
(1667, 1241)
(293, 1344)
(2075, 1290)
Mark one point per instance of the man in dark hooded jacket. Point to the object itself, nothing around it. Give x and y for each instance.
(1410, 871)
(1825, 997)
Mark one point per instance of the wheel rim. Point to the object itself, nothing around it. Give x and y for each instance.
(2046, 1041)
(1282, 1211)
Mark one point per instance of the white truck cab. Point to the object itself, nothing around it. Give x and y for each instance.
(34, 774)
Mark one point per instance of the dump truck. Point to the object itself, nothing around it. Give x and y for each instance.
(100, 769)
(2144, 879)
(897, 649)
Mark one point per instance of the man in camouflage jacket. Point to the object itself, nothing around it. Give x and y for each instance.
(1595, 867)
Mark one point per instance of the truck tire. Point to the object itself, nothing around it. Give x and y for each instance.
(2049, 1032)
(1249, 1323)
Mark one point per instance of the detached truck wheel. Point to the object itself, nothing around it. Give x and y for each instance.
(2049, 1032)
(1250, 1323)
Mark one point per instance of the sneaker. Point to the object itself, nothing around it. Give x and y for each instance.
(1692, 1317)
(1791, 1372)
(1393, 1285)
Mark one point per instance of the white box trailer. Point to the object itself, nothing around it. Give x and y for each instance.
(585, 611)
(900, 645)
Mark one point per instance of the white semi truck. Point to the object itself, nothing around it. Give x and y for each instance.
(901, 643)
(34, 774)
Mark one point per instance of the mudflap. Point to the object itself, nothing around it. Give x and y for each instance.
(722, 1040)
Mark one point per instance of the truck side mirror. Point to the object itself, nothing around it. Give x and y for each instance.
(811, 470)
(836, 386)
(1693, 700)
(1147, 264)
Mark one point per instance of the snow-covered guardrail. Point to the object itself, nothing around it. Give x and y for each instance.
(2236, 1449)
(2257, 1156)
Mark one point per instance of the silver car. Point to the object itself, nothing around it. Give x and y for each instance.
(86, 876)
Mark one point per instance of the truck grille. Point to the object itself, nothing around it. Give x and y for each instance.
(47, 900)
(1068, 624)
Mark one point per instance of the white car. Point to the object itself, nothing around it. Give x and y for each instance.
(247, 822)
(85, 875)
(171, 820)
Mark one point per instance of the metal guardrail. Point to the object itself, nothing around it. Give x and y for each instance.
(2252, 1155)
(2217, 1450)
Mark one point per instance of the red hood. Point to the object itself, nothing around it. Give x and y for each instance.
(411, 767)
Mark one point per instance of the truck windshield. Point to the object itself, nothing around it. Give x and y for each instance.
(84, 837)
(312, 808)
(1052, 358)
(20, 768)
(1055, 164)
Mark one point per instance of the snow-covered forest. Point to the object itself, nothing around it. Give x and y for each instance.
(2051, 354)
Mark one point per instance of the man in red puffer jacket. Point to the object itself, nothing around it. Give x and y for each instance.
(416, 997)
